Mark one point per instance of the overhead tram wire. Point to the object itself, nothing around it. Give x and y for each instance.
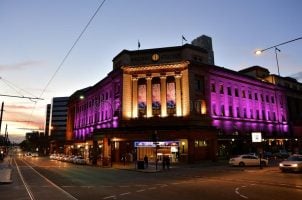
(68, 53)
(17, 90)
(74, 44)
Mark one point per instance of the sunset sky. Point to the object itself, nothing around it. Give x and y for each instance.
(36, 35)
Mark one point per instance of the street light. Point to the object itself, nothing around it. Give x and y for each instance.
(260, 51)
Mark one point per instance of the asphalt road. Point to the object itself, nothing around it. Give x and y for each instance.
(40, 178)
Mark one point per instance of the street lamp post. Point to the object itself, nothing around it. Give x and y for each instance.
(258, 52)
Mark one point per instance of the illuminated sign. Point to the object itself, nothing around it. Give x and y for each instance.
(256, 137)
(160, 144)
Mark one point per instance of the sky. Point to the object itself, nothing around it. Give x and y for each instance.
(35, 36)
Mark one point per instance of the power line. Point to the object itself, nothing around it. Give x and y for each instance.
(74, 44)
(21, 97)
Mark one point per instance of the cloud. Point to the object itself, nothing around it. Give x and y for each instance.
(20, 65)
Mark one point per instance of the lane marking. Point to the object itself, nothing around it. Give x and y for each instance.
(29, 192)
(126, 193)
(110, 197)
(141, 190)
(49, 181)
(238, 193)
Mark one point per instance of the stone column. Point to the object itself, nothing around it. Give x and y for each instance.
(134, 98)
(149, 96)
(163, 95)
(178, 95)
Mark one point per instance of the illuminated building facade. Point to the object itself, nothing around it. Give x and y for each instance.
(171, 102)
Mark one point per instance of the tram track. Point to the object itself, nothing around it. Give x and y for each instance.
(37, 185)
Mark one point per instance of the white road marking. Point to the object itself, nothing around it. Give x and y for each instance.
(238, 193)
(126, 193)
(50, 182)
(141, 190)
(152, 188)
(110, 197)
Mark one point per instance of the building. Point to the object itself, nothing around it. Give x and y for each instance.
(173, 102)
(292, 139)
(144, 107)
(57, 124)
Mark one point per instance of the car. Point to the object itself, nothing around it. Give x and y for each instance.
(281, 154)
(292, 163)
(247, 160)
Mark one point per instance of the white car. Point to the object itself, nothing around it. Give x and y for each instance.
(292, 163)
(247, 160)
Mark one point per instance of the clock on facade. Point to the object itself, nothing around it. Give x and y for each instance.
(155, 57)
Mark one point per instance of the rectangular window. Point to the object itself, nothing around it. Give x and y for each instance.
(274, 116)
(229, 91)
(214, 109)
(262, 98)
(272, 99)
(244, 113)
(236, 92)
(213, 88)
(221, 89)
(250, 95)
(269, 115)
(267, 98)
(263, 115)
(231, 111)
(243, 94)
(251, 114)
(257, 114)
(256, 96)
(238, 112)
(222, 110)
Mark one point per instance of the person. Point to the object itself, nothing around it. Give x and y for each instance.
(146, 161)
(168, 162)
(164, 162)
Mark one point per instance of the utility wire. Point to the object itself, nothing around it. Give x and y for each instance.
(74, 44)
(68, 53)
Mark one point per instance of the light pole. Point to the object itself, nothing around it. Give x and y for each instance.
(260, 51)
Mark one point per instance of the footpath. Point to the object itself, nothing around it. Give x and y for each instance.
(6, 170)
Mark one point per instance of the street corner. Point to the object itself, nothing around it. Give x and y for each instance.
(6, 176)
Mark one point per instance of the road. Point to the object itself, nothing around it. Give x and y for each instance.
(41, 178)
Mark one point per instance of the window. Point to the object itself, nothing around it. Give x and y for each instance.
(230, 91)
(231, 111)
(244, 113)
(274, 116)
(269, 115)
(267, 98)
(243, 94)
(214, 109)
(199, 83)
(272, 99)
(262, 98)
(257, 114)
(263, 115)
(250, 95)
(256, 96)
(238, 111)
(251, 114)
(221, 89)
(222, 110)
(236, 92)
(213, 88)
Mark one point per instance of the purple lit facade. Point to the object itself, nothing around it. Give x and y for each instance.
(96, 107)
(241, 105)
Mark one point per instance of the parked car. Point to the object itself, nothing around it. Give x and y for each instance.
(292, 163)
(247, 160)
(281, 154)
(79, 160)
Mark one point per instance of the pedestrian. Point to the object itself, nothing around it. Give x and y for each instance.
(146, 161)
(168, 162)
